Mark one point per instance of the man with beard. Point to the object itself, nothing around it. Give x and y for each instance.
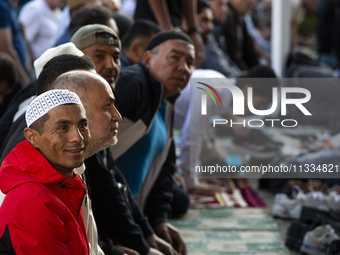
(102, 45)
(145, 95)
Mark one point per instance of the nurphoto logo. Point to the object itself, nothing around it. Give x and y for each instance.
(239, 103)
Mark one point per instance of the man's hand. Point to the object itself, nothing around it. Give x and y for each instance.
(159, 244)
(127, 251)
(153, 251)
(171, 235)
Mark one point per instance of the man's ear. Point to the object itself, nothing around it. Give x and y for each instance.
(32, 136)
(134, 50)
(147, 58)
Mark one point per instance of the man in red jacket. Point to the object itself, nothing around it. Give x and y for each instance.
(41, 213)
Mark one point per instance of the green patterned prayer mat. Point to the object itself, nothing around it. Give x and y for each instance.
(230, 231)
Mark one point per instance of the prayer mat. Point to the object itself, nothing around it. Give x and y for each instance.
(230, 231)
(242, 196)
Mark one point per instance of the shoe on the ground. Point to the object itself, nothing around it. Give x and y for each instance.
(317, 199)
(288, 205)
(324, 220)
(309, 214)
(333, 200)
(295, 234)
(334, 248)
(320, 217)
(310, 218)
(335, 214)
(316, 241)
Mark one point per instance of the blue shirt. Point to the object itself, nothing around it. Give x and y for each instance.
(8, 19)
(135, 162)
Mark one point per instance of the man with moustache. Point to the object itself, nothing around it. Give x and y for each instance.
(145, 99)
(102, 45)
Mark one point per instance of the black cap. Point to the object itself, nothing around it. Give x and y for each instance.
(165, 36)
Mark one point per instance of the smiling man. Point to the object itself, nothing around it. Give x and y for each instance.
(102, 45)
(42, 207)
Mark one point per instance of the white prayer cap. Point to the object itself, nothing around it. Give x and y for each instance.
(45, 102)
(67, 48)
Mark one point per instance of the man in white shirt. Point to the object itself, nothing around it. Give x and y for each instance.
(40, 19)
